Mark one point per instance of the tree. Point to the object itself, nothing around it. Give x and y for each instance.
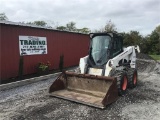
(31, 23)
(158, 38)
(149, 44)
(154, 41)
(3, 17)
(71, 26)
(63, 28)
(38, 23)
(132, 38)
(109, 27)
(158, 29)
(83, 30)
(101, 30)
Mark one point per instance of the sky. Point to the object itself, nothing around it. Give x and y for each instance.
(139, 15)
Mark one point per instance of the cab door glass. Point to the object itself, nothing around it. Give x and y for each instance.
(117, 47)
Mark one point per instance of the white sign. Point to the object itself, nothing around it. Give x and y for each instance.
(32, 45)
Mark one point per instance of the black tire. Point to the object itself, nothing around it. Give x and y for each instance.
(122, 82)
(133, 78)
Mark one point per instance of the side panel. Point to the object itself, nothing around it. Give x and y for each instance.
(125, 55)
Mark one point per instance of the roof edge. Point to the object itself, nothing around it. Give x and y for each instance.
(35, 26)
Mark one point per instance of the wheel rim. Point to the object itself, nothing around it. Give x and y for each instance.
(135, 79)
(124, 86)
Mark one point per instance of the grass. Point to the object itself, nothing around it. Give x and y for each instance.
(155, 57)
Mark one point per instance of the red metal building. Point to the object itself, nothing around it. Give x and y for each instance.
(72, 45)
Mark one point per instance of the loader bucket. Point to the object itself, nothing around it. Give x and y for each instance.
(97, 91)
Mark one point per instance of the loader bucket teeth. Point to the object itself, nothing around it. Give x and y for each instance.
(97, 91)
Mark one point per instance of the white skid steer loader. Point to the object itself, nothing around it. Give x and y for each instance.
(105, 73)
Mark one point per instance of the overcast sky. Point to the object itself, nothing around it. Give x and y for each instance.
(140, 15)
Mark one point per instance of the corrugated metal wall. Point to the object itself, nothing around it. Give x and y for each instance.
(72, 45)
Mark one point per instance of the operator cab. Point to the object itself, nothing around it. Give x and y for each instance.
(103, 46)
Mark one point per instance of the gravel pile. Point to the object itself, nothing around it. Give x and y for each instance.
(145, 63)
(144, 56)
(157, 68)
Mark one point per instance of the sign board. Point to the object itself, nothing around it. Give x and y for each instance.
(32, 45)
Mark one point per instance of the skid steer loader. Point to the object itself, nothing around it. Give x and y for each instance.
(102, 76)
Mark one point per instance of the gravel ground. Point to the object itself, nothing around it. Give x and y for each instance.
(33, 103)
(143, 56)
